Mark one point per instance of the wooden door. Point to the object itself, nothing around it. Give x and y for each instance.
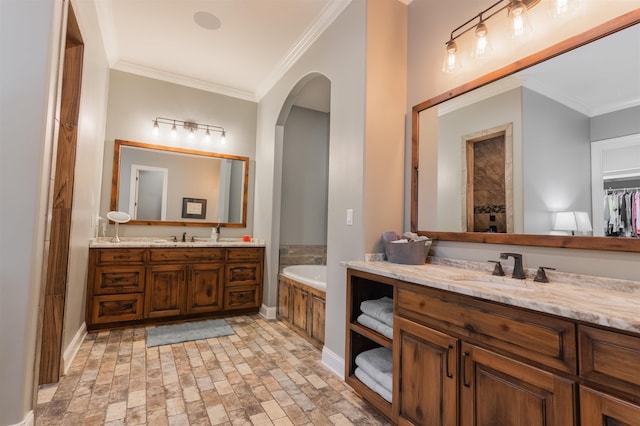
(599, 409)
(425, 375)
(60, 208)
(495, 390)
(165, 291)
(205, 288)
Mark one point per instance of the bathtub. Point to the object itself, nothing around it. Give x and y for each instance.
(312, 275)
(301, 300)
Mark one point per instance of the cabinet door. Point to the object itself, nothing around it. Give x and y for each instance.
(316, 325)
(164, 295)
(299, 308)
(204, 293)
(599, 409)
(425, 375)
(495, 390)
(283, 300)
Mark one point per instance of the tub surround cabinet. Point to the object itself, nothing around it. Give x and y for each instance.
(144, 285)
(302, 308)
(461, 360)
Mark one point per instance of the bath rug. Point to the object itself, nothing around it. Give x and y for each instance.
(176, 333)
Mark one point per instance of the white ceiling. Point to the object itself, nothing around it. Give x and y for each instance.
(241, 50)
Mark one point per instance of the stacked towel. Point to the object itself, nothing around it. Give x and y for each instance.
(374, 369)
(378, 315)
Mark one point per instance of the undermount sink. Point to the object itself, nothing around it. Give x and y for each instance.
(494, 281)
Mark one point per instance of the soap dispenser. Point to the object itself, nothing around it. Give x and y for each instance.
(214, 234)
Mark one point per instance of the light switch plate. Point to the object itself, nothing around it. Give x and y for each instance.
(349, 217)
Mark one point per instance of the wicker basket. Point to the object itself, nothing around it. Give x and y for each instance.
(411, 253)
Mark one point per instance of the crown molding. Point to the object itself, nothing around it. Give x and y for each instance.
(182, 80)
(330, 12)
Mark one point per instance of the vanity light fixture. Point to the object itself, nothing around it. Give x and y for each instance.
(190, 126)
(518, 25)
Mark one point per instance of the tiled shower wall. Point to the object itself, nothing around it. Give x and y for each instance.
(302, 255)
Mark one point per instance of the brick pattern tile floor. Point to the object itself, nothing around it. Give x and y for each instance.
(264, 374)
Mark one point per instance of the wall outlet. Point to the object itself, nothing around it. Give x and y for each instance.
(349, 217)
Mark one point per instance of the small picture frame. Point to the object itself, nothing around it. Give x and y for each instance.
(194, 208)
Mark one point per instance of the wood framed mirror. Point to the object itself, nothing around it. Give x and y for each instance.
(425, 117)
(157, 185)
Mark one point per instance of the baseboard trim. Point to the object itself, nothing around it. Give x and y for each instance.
(268, 312)
(73, 348)
(333, 362)
(28, 420)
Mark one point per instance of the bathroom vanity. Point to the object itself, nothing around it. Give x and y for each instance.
(142, 282)
(472, 349)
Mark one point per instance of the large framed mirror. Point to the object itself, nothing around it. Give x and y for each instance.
(165, 185)
(542, 167)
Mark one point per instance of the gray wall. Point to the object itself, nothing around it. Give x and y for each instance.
(615, 124)
(305, 171)
(30, 39)
(557, 161)
(134, 101)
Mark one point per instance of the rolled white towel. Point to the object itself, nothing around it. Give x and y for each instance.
(378, 364)
(372, 384)
(380, 309)
(374, 324)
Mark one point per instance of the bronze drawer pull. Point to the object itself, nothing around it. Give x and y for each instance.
(449, 375)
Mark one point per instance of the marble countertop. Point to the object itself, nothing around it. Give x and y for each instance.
(609, 302)
(142, 242)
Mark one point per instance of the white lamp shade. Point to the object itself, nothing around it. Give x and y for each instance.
(565, 221)
(582, 221)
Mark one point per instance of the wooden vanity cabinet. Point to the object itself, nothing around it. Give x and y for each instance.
(425, 375)
(609, 362)
(142, 285)
(116, 285)
(448, 371)
(243, 270)
(363, 286)
(182, 281)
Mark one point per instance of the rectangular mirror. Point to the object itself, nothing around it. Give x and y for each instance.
(164, 185)
(553, 113)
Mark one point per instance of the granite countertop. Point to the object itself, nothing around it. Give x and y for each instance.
(161, 242)
(609, 302)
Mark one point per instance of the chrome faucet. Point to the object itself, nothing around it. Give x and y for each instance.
(518, 272)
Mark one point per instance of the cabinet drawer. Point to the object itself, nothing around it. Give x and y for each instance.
(120, 256)
(249, 273)
(249, 253)
(186, 255)
(242, 297)
(543, 339)
(114, 280)
(610, 359)
(115, 308)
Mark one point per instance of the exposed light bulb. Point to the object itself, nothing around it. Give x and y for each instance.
(451, 61)
(156, 128)
(223, 138)
(207, 135)
(483, 46)
(561, 7)
(174, 130)
(518, 19)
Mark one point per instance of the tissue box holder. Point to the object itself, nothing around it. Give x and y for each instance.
(411, 253)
